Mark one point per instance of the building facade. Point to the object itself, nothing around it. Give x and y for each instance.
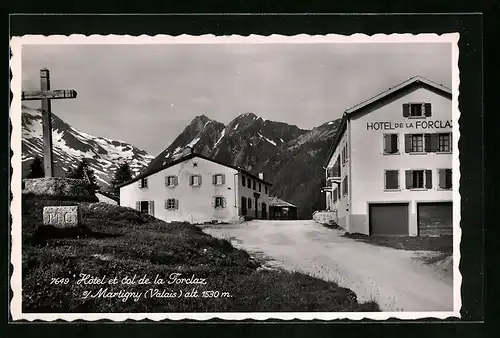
(390, 167)
(197, 189)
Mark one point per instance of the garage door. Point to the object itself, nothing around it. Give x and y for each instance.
(435, 219)
(388, 219)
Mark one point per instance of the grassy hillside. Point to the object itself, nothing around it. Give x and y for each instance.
(119, 242)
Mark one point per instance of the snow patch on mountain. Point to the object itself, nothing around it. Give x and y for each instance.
(193, 142)
(71, 145)
(268, 140)
(220, 138)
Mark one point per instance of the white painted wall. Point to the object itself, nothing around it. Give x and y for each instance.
(248, 192)
(341, 206)
(195, 203)
(368, 161)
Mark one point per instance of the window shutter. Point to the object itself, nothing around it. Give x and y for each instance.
(427, 140)
(449, 178)
(223, 202)
(442, 178)
(140, 183)
(406, 109)
(199, 179)
(394, 142)
(166, 180)
(214, 179)
(435, 142)
(213, 201)
(152, 208)
(176, 180)
(428, 179)
(223, 179)
(427, 109)
(138, 205)
(176, 204)
(409, 179)
(190, 180)
(166, 204)
(387, 144)
(407, 143)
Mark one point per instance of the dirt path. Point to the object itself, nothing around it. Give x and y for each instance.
(393, 278)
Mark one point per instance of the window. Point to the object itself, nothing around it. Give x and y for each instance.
(260, 187)
(444, 143)
(414, 143)
(419, 179)
(345, 188)
(243, 206)
(195, 164)
(417, 110)
(417, 143)
(171, 204)
(243, 180)
(143, 183)
(265, 189)
(249, 203)
(219, 179)
(344, 154)
(249, 181)
(391, 180)
(147, 207)
(219, 202)
(254, 185)
(171, 181)
(445, 179)
(335, 194)
(391, 144)
(195, 180)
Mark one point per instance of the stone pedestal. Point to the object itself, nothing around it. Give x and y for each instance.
(58, 188)
(61, 217)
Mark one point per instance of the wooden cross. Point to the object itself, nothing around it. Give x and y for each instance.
(46, 95)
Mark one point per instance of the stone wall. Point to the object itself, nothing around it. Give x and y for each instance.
(324, 217)
(59, 188)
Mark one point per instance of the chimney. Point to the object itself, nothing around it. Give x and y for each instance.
(261, 176)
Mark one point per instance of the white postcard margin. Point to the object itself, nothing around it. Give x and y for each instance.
(15, 207)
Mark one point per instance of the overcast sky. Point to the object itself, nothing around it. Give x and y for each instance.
(147, 94)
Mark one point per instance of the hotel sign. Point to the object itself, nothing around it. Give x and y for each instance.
(419, 124)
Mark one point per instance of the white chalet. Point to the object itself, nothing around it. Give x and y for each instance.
(389, 171)
(197, 189)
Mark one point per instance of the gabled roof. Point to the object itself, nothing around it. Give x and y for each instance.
(108, 195)
(278, 202)
(152, 171)
(416, 80)
(411, 81)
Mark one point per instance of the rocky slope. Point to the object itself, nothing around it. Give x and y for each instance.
(290, 158)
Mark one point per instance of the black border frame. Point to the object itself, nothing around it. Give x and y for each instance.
(472, 154)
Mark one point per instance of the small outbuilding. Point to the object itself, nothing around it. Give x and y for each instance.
(281, 210)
